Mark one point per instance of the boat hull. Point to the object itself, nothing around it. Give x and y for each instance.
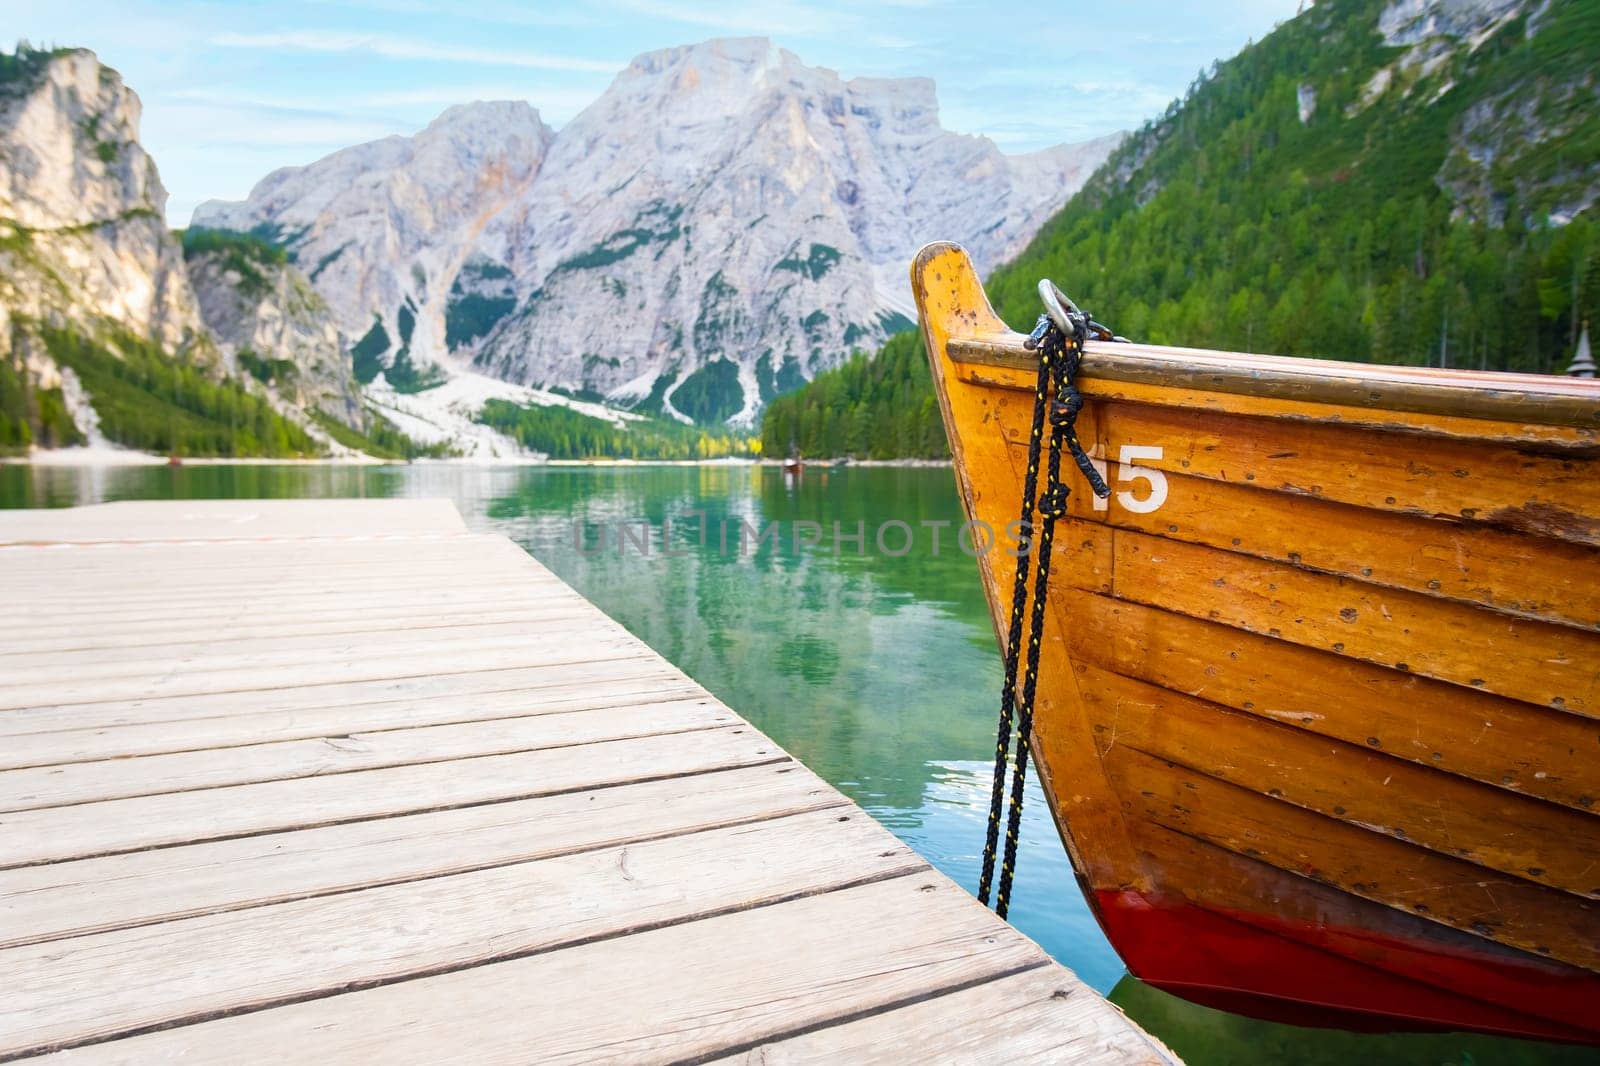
(1319, 717)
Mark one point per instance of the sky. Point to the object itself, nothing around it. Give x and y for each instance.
(234, 90)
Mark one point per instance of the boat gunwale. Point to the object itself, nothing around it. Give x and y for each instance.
(1527, 399)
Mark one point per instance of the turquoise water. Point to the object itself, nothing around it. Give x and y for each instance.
(877, 670)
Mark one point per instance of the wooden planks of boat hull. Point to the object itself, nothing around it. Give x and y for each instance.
(1319, 709)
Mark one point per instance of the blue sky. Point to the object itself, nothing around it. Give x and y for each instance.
(234, 90)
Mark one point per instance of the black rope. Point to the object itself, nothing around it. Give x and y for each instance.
(1019, 596)
(1059, 357)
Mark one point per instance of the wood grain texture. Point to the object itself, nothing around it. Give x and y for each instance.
(1337, 623)
(1514, 572)
(665, 995)
(39, 787)
(232, 519)
(106, 984)
(624, 682)
(1530, 400)
(1351, 782)
(55, 900)
(1502, 908)
(319, 778)
(293, 699)
(123, 825)
(1504, 743)
(1000, 1024)
(1542, 664)
(82, 638)
(378, 661)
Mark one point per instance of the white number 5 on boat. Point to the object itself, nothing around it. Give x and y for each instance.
(1128, 472)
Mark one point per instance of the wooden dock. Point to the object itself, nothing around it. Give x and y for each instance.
(339, 781)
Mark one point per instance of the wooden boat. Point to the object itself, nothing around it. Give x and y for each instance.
(1318, 715)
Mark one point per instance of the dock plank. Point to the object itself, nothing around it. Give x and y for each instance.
(39, 787)
(1000, 1022)
(379, 660)
(293, 699)
(348, 783)
(63, 899)
(128, 520)
(237, 960)
(663, 995)
(626, 681)
(86, 829)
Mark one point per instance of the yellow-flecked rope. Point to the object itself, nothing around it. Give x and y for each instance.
(1059, 356)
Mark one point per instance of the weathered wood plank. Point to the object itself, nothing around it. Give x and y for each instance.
(199, 563)
(1480, 736)
(197, 734)
(41, 787)
(226, 519)
(238, 624)
(93, 621)
(1018, 379)
(210, 556)
(1031, 1017)
(1508, 487)
(295, 699)
(1357, 784)
(1505, 909)
(1451, 559)
(393, 659)
(224, 648)
(373, 603)
(55, 900)
(1214, 877)
(90, 829)
(99, 986)
(1541, 663)
(289, 593)
(1526, 402)
(679, 993)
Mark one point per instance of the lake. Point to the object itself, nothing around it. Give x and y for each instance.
(873, 663)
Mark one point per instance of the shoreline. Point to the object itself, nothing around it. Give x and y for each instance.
(111, 458)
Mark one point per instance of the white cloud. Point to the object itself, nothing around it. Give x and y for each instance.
(220, 124)
(765, 20)
(398, 106)
(507, 14)
(402, 48)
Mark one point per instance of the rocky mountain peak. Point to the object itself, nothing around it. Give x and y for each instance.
(383, 228)
(727, 76)
(73, 155)
(82, 208)
(720, 224)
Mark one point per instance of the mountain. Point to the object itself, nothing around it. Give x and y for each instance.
(83, 224)
(384, 230)
(102, 336)
(270, 324)
(1411, 181)
(720, 225)
(1402, 181)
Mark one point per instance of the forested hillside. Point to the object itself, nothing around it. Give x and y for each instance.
(562, 433)
(102, 335)
(1365, 183)
(873, 407)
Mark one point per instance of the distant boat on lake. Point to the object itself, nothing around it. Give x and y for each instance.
(1319, 702)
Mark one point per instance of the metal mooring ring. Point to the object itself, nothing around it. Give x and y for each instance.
(1058, 306)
